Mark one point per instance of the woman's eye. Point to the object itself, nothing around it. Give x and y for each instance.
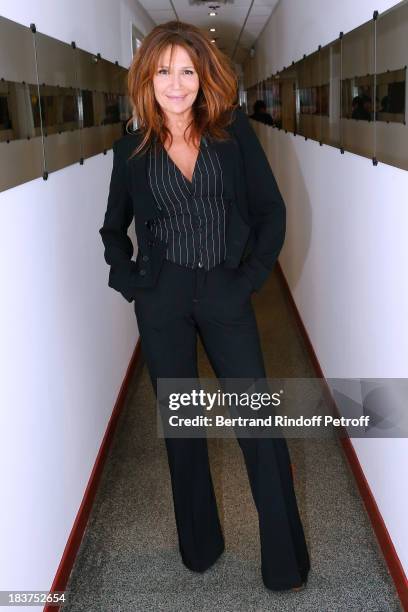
(165, 71)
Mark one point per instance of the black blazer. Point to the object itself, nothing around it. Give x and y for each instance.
(256, 225)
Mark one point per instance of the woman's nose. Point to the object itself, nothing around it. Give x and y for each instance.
(175, 78)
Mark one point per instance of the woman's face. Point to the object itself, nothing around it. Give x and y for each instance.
(175, 87)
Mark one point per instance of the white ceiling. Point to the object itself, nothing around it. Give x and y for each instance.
(238, 22)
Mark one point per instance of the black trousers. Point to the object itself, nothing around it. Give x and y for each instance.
(216, 305)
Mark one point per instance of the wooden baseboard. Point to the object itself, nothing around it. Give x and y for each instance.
(384, 540)
(77, 531)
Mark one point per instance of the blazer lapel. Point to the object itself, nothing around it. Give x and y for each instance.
(145, 204)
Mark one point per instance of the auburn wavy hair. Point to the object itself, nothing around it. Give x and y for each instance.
(217, 96)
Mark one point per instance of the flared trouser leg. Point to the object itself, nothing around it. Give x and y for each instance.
(170, 351)
(232, 343)
(200, 536)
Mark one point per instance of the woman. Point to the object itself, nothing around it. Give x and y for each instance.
(210, 223)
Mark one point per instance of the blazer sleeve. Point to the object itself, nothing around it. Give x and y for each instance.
(118, 216)
(267, 211)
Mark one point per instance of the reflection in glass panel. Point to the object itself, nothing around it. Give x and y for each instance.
(357, 91)
(391, 83)
(242, 96)
(358, 98)
(276, 102)
(14, 111)
(308, 96)
(59, 108)
(5, 119)
(260, 94)
(287, 80)
(268, 98)
(252, 95)
(35, 109)
(260, 111)
(112, 114)
(87, 109)
(390, 87)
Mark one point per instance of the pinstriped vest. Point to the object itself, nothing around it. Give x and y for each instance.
(192, 218)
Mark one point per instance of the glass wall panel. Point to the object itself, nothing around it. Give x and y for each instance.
(288, 79)
(307, 97)
(329, 95)
(21, 151)
(104, 104)
(357, 93)
(261, 90)
(391, 86)
(268, 101)
(58, 101)
(276, 101)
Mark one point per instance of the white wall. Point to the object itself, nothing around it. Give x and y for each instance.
(345, 255)
(66, 337)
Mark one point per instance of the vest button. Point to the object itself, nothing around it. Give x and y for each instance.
(142, 272)
(145, 258)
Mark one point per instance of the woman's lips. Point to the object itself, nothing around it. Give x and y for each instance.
(176, 97)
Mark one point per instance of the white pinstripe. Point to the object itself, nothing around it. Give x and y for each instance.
(209, 203)
(218, 211)
(189, 212)
(198, 212)
(206, 222)
(163, 153)
(222, 200)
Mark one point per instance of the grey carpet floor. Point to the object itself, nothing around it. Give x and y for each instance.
(129, 560)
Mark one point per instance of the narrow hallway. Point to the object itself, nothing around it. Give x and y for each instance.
(129, 560)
